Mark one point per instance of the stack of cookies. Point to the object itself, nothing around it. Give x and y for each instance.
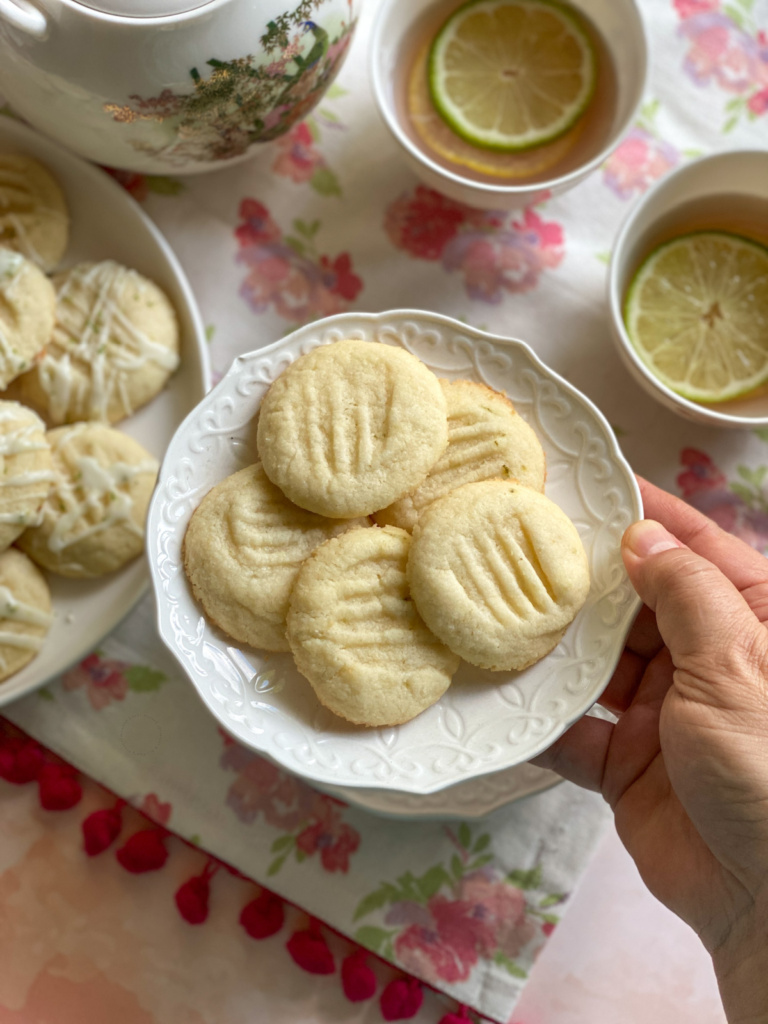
(79, 352)
(394, 524)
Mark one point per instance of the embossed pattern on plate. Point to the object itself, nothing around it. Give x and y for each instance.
(487, 721)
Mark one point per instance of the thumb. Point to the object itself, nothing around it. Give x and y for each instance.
(715, 640)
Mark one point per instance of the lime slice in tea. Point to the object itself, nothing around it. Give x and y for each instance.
(443, 141)
(511, 74)
(697, 313)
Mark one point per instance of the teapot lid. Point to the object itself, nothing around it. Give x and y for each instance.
(143, 8)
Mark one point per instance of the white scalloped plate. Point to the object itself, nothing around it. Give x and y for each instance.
(487, 721)
(106, 223)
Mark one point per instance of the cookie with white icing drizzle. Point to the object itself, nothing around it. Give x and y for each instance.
(26, 470)
(33, 212)
(27, 313)
(94, 516)
(114, 346)
(25, 611)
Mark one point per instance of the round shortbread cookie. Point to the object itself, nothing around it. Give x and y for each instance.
(242, 551)
(487, 439)
(26, 470)
(27, 314)
(94, 516)
(356, 635)
(114, 346)
(25, 611)
(33, 212)
(498, 572)
(350, 427)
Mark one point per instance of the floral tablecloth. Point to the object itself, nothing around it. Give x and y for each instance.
(328, 219)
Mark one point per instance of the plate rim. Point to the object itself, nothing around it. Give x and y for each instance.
(19, 133)
(383, 318)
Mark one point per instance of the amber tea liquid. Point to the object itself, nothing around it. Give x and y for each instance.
(594, 127)
(734, 212)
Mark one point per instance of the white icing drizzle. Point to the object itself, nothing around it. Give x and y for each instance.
(23, 240)
(24, 440)
(18, 611)
(101, 494)
(12, 268)
(18, 201)
(103, 338)
(13, 610)
(22, 518)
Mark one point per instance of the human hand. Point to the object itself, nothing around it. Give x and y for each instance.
(685, 768)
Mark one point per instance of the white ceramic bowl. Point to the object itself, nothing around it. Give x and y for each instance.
(487, 721)
(742, 176)
(401, 23)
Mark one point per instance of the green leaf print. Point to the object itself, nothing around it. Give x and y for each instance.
(465, 835)
(552, 899)
(283, 843)
(164, 186)
(480, 862)
(432, 881)
(482, 843)
(509, 965)
(736, 16)
(142, 679)
(295, 244)
(335, 90)
(380, 897)
(377, 939)
(276, 864)
(457, 868)
(525, 879)
(325, 182)
(743, 492)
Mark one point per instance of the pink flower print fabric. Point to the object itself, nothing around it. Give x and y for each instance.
(495, 252)
(739, 506)
(312, 824)
(104, 680)
(637, 162)
(286, 273)
(728, 49)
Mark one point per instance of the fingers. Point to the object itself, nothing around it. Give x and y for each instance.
(744, 567)
(580, 753)
(644, 638)
(621, 689)
(643, 643)
(710, 631)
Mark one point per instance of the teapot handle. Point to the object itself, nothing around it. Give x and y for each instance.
(22, 15)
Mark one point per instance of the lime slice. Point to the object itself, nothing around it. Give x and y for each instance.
(697, 313)
(443, 141)
(511, 74)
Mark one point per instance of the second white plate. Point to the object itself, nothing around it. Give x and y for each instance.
(466, 801)
(107, 224)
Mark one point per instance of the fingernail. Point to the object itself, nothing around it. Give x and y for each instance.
(648, 538)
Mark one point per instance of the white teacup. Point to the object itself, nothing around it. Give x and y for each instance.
(403, 26)
(726, 192)
(169, 86)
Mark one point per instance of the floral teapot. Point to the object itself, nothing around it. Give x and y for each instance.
(169, 86)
